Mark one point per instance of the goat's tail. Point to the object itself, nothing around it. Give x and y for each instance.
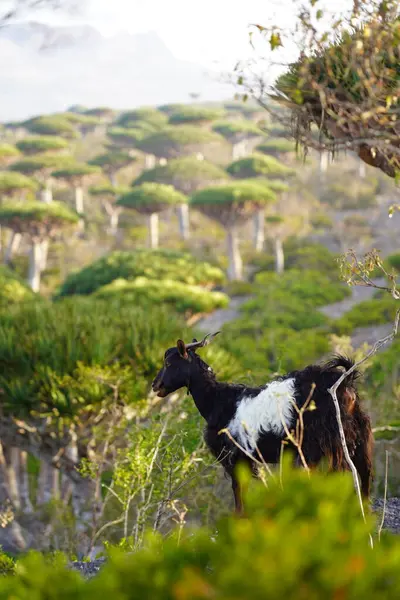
(347, 393)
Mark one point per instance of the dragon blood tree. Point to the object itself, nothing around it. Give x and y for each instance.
(42, 143)
(40, 222)
(109, 195)
(76, 176)
(232, 205)
(269, 169)
(111, 162)
(151, 199)
(14, 186)
(8, 154)
(345, 83)
(188, 175)
(241, 134)
(40, 166)
(183, 140)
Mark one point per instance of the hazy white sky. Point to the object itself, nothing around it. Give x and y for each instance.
(203, 31)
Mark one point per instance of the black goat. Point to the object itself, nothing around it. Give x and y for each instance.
(253, 416)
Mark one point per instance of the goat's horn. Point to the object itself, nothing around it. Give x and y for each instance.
(204, 342)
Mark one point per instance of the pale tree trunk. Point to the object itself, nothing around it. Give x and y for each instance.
(44, 253)
(12, 473)
(153, 230)
(113, 178)
(259, 230)
(239, 149)
(12, 246)
(35, 264)
(149, 161)
(362, 169)
(235, 268)
(73, 454)
(279, 256)
(24, 482)
(113, 212)
(55, 475)
(79, 206)
(183, 217)
(44, 483)
(47, 194)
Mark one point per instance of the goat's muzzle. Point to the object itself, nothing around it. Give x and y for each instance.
(158, 387)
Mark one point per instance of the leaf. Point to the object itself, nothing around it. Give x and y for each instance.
(275, 40)
(320, 14)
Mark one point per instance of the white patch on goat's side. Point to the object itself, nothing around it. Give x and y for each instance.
(263, 413)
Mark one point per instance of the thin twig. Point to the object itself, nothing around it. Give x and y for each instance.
(385, 496)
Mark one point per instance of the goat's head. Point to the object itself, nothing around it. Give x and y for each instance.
(178, 362)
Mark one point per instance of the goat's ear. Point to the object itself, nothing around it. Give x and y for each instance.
(182, 348)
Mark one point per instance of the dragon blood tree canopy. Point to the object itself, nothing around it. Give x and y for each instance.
(42, 143)
(37, 219)
(13, 183)
(186, 174)
(350, 88)
(182, 140)
(259, 165)
(150, 198)
(233, 203)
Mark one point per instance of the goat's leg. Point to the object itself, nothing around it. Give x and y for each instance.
(237, 494)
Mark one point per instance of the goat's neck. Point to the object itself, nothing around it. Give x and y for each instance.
(203, 387)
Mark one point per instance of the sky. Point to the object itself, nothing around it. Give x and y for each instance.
(208, 32)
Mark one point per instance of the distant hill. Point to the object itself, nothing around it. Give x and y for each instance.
(46, 69)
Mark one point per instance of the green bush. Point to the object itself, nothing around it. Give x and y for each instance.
(182, 297)
(394, 261)
(49, 352)
(306, 286)
(303, 539)
(13, 289)
(351, 193)
(152, 264)
(377, 311)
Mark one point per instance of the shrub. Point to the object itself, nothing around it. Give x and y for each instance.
(13, 289)
(303, 539)
(182, 297)
(377, 311)
(257, 165)
(195, 114)
(152, 264)
(394, 261)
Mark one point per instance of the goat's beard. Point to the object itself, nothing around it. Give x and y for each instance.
(162, 392)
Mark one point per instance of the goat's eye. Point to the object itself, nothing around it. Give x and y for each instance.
(167, 364)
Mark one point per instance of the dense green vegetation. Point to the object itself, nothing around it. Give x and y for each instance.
(329, 554)
(156, 264)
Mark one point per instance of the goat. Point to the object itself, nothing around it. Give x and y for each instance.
(253, 415)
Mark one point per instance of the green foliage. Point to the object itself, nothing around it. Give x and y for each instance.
(151, 116)
(76, 171)
(182, 297)
(232, 130)
(13, 289)
(276, 146)
(279, 327)
(259, 164)
(43, 143)
(108, 190)
(126, 138)
(7, 565)
(152, 264)
(172, 142)
(51, 125)
(313, 257)
(235, 193)
(11, 183)
(350, 193)
(377, 311)
(329, 554)
(112, 161)
(41, 162)
(195, 114)
(151, 197)
(29, 216)
(102, 112)
(394, 261)
(7, 151)
(186, 174)
(71, 346)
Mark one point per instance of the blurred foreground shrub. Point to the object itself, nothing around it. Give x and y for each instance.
(303, 540)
